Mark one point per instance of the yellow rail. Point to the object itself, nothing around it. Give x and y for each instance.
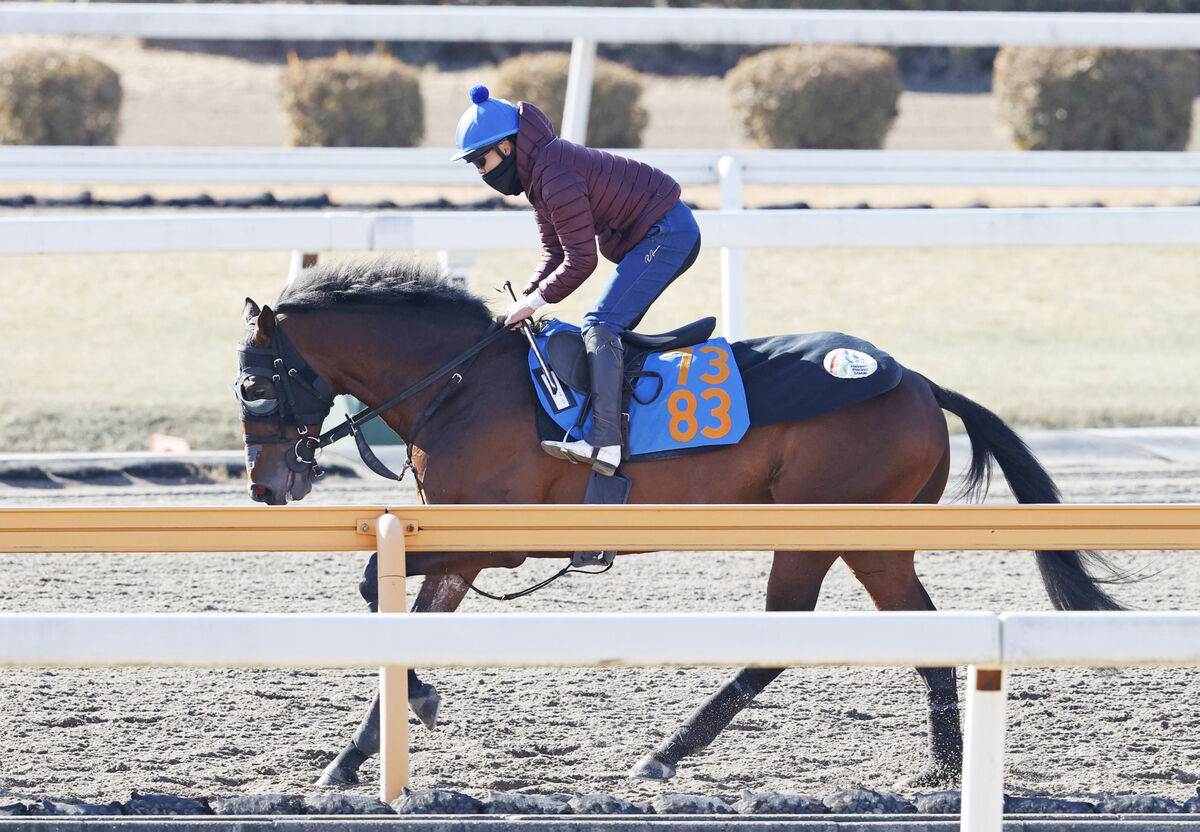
(567, 528)
(621, 528)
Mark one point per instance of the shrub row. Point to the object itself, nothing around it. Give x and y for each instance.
(1095, 99)
(615, 117)
(48, 97)
(799, 96)
(353, 101)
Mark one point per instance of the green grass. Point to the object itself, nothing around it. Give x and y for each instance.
(102, 350)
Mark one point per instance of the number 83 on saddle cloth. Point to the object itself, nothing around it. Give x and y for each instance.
(682, 401)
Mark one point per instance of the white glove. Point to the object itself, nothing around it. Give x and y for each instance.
(522, 308)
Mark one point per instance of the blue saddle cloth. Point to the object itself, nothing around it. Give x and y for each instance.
(706, 396)
(681, 401)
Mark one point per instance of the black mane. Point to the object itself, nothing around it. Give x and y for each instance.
(387, 281)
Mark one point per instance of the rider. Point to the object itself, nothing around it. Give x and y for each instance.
(578, 195)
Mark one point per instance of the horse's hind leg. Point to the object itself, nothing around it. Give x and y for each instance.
(893, 584)
(439, 593)
(793, 586)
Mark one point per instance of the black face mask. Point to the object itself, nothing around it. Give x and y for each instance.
(504, 177)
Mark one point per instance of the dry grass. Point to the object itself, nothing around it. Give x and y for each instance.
(102, 350)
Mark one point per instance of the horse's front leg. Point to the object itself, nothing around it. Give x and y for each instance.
(439, 593)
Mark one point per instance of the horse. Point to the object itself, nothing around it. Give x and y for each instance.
(371, 328)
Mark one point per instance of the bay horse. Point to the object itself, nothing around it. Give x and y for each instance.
(371, 329)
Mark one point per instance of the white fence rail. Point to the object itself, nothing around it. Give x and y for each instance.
(730, 230)
(385, 230)
(483, 640)
(923, 639)
(612, 25)
(986, 642)
(432, 166)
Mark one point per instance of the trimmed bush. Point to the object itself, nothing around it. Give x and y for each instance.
(353, 101)
(1095, 99)
(49, 97)
(615, 118)
(825, 96)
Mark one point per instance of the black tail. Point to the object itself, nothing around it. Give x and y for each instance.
(1068, 582)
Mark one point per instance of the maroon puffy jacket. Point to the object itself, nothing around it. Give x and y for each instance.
(580, 194)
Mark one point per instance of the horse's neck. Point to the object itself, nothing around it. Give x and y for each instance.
(376, 356)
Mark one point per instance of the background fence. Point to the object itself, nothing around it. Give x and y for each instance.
(584, 27)
(730, 229)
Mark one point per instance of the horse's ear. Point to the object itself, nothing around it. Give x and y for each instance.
(250, 310)
(265, 330)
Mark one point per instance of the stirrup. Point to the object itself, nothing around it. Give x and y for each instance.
(604, 460)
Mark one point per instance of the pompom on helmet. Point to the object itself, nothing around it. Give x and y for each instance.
(485, 122)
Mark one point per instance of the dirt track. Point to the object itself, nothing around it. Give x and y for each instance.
(97, 735)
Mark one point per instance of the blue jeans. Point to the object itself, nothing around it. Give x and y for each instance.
(667, 251)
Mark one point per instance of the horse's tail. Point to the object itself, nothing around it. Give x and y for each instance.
(1068, 581)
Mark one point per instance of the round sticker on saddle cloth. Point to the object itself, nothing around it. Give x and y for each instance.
(847, 363)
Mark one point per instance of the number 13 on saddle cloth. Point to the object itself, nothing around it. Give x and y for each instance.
(678, 401)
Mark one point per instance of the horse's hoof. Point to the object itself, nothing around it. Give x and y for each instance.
(343, 771)
(335, 775)
(930, 777)
(651, 767)
(425, 703)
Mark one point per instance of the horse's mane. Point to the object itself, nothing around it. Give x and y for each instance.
(386, 281)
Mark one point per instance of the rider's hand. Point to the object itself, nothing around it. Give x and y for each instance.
(522, 308)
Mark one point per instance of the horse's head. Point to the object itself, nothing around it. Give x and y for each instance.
(283, 404)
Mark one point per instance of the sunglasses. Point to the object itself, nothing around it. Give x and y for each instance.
(479, 157)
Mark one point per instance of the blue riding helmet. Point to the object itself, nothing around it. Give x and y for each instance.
(485, 122)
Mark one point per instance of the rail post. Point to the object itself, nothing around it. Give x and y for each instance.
(983, 751)
(733, 260)
(579, 90)
(300, 260)
(393, 681)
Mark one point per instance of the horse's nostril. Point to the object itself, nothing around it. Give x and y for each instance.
(260, 492)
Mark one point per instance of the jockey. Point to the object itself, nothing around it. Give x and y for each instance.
(579, 196)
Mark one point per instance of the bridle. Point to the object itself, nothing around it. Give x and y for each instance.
(303, 398)
(306, 399)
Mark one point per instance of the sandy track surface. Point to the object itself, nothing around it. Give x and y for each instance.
(98, 734)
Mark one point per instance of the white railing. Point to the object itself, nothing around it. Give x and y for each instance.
(432, 166)
(987, 643)
(730, 230)
(405, 230)
(584, 27)
(604, 24)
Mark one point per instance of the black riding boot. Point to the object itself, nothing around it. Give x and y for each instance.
(606, 358)
(601, 448)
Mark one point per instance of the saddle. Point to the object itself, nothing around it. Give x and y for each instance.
(568, 359)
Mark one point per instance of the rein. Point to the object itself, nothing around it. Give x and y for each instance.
(529, 590)
(353, 424)
(317, 396)
(303, 398)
